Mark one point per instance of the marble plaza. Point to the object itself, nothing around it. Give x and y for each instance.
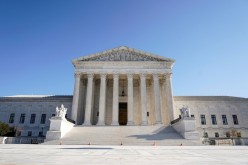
(130, 155)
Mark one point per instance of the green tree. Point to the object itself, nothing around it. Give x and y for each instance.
(4, 128)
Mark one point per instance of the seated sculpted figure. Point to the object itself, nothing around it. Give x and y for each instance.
(185, 112)
(61, 112)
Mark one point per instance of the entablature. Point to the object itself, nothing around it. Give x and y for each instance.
(123, 64)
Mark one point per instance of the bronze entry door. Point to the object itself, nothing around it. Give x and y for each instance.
(123, 113)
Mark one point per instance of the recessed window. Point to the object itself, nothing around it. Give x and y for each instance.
(22, 118)
(203, 120)
(43, 119)
(235, 120)
(193, 116)
(213, 118)
(228, 134)
(205, 134)
(18, 133)
(29, 133)
(147, 114)
(216, 134)
(224, 120)
(40, 134)
(12, 118)
(32, 119)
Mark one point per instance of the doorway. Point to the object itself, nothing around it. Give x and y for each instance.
(123, 113)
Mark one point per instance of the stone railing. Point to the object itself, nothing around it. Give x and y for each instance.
(24, 140)
(175, 121)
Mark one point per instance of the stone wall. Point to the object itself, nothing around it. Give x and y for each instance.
(28, 106)
(207, 105)
(216, 105)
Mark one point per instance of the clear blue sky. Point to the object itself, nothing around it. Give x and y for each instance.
(207, 38)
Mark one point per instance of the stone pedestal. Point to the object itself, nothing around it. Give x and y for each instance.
(186, 127)
(59, 126)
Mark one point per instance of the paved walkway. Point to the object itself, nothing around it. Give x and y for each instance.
(119, 155)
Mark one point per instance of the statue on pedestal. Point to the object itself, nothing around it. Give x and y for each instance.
(185, 112)
(61, 112)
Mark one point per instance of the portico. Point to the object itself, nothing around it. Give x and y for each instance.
(122, 75)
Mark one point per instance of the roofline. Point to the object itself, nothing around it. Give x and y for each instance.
(122, 48)
(35, 99)
(209, 98)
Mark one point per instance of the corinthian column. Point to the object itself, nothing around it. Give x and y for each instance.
(157, 99)
(169, 97)
(88, 100)
(130, 99)
(115, 100)
(143, 98)
(75, 101)
(102, 102)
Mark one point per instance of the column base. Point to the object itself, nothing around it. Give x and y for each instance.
(100, 123)
(87, 123)
(158, 122)
(115, 123)
(130, 123)
(144, 123)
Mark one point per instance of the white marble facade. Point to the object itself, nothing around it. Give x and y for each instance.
(128, 87)
(122, 76)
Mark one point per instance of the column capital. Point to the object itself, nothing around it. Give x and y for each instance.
(103, 75)
(129, 75)
(143, 75)
(116, 75)
(168, 75)
(90, 75)
(155, 76)
(77, 75)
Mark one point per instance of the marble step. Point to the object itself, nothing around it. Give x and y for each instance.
(127, 135)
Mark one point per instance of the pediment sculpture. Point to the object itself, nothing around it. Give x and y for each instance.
(123, 56)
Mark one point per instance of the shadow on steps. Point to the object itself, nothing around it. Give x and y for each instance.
(161, 133)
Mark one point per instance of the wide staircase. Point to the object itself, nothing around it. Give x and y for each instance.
(123, 135)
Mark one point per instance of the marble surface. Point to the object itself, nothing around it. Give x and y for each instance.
(77, 154)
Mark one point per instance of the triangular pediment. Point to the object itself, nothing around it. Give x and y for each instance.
(123, 53)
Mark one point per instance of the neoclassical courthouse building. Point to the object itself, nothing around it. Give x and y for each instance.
(125, 86)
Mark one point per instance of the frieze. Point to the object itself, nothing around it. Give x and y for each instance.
(95, 64)
(124, 71)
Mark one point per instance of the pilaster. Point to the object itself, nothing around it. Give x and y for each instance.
(130, 99)
(75, 102)
(157, 99)
(143, 98)
(115, 99)
(88, 108)
(102, 102)
(170, 102)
